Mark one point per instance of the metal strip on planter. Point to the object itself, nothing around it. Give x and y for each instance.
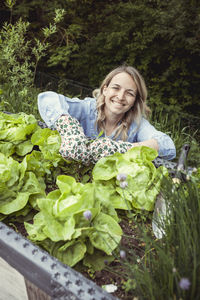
(56, 279)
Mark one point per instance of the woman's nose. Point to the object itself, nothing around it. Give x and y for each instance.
(121, 94)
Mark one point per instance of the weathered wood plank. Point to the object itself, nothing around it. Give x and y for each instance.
(12, 284)
(34, 293)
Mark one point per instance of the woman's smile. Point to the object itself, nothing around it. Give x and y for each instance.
(118, 103)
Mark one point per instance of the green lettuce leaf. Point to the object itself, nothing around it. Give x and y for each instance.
(49, 144)
(69, 253)
(16, 185)
(107, 233)
(96, 261)
(15, 133)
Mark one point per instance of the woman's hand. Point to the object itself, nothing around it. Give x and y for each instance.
(152, 143)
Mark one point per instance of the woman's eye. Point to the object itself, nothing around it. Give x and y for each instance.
(131, 94)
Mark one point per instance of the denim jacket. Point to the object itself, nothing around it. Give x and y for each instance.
(52, 105)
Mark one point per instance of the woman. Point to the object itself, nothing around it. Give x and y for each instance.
(119, 111)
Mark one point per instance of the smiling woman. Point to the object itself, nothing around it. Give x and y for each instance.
(117, 113)
(120, 95)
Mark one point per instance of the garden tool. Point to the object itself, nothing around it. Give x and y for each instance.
(160, 210)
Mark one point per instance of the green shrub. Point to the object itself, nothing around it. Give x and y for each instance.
(19, 58)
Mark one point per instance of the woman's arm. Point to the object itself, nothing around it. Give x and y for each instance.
(147, 135)
(152, 143)
(52, 105)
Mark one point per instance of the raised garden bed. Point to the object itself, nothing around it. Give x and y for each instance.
(42, 271)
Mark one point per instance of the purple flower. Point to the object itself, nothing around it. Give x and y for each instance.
(184, 283)
(121, 177)
(122, 254)
(87, 215)
(123, 184)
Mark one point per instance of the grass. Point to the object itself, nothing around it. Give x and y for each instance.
(184, 130)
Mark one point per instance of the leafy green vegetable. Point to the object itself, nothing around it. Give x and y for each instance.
(143, 178)
(96, 261)
(17, 186)
(49, 144)
(77, 220)
(69, 253)
(15, 130)
(61, 220)
(107, 235)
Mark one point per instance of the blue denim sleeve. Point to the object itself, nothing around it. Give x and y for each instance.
(147, 131)
(52, 105)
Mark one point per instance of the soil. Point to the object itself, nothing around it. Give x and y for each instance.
(129, 242)
(113, 273)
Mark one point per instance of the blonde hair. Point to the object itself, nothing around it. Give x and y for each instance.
(135, 113)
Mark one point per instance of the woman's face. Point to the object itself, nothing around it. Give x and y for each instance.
(120, 95)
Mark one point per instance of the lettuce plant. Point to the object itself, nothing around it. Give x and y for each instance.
(143, 179)
(17, 186)
(61, 225)
(15, 130)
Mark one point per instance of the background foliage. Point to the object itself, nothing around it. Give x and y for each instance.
(71, 54)
(160, 38)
